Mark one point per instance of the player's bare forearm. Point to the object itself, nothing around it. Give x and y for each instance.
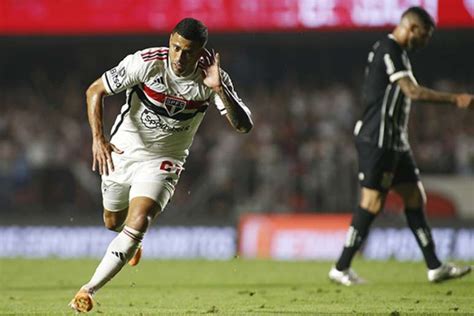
(419, 93)
(426, 94)
(95, 94)
(237, 113)
(101, 148)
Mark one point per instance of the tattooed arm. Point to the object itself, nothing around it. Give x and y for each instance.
(235, 110)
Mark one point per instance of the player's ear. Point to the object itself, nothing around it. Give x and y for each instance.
(414, 28)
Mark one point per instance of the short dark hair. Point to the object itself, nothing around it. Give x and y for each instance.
(424, 16)
(193, 30)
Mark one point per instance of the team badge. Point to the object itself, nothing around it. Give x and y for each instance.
(174, 105)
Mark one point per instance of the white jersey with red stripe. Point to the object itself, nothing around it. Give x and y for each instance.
(163, 111)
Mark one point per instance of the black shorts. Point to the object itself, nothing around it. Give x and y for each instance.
(381, 168)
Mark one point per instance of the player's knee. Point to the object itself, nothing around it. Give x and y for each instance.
(142, 212)
(413, 195)
(113, 224)
(372, 202)
(374, 208)
(140, 221)
(114, 221)
(415, 200)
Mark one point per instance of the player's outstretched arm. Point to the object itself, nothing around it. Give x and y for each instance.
(237, 113)
(101, 147)
(419, 93)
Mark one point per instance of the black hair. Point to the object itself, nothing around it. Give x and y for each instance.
(423, 15)
(193, 30)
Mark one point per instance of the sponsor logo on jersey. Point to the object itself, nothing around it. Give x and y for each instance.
(152, 121)
(174, 105)
(117, 76)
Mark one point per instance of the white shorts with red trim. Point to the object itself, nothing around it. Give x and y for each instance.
(155, 179)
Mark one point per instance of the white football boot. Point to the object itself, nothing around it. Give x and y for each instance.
(447, 271)
(347, 277)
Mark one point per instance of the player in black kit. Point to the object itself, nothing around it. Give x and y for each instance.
(385, 158)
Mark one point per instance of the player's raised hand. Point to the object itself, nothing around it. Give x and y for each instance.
(464, 100)
(101, 155)
(212, 69)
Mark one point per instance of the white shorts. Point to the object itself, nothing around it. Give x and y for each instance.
(155, 179)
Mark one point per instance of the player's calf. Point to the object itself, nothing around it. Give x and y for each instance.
(121, 249)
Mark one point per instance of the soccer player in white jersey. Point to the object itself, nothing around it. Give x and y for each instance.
(168, 90)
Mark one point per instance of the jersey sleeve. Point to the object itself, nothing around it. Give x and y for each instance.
(395, 64)
(227, 82)
(129, 72)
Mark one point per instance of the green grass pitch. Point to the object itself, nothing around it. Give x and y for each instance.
(236, 287)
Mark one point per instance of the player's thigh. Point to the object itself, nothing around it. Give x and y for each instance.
(147, 200)
(372, 200)
(116, 187)
(115, 195)
(376, 171)
(406, 170)
(158, 191)
(406, 181)
(157, 180)
(376, 166)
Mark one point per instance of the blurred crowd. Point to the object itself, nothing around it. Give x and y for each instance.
(299, 157)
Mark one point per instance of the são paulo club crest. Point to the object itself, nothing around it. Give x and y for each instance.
(174, 105)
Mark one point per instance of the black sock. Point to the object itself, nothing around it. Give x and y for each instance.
(356, 235)
(417, 222)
